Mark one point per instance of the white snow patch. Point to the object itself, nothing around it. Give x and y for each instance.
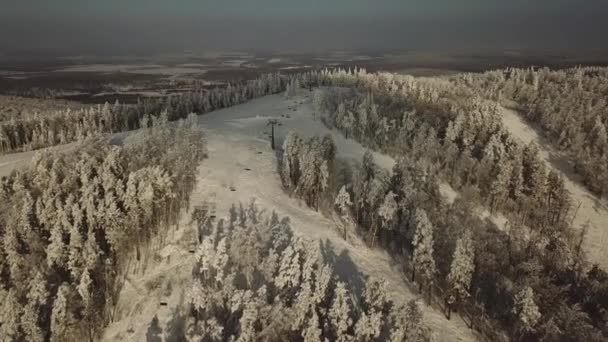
(292, 67)
(146, 69)
(234, 63)
(593, 211)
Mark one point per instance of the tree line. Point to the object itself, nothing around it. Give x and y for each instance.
(38, 130)
(531, 277)
(569, 105)
(72, 221)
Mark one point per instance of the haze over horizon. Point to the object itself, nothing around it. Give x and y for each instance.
(154, 26)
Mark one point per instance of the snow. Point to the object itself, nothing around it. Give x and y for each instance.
(235, 137)
(234, 63)
(12, 161)
(143, 93)
(236, 140)
(194, 65)
(593, 211)
(296, 67)
(146, 69)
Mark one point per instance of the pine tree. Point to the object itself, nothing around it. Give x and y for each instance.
(423, 261)
(369, 326)
(62, 319)
(312, 332)
(37, 297)
(387, 211)
(558, 199)
(499, 189)
(340, 313)
(343, 202)
(414, 329)
(10, 314)
(289, 269)
(461, 270)
(516, 183)
(533, 171)
(526, 310)
(291, 160)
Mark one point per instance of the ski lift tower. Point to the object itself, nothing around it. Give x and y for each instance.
(272, 123)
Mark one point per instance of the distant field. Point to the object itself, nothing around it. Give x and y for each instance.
(97, 80)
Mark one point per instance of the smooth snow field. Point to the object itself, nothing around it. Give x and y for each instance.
(241, 167)
(240, 159)
(237, 141)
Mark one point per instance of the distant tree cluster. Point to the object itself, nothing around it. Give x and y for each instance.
(72, 221)
(34, 131)
(308, 167)
(571, 107)
(463, 140)
(255, 281)
(292, 88)
(438, 131)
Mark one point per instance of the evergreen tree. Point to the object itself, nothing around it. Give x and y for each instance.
(526, 310)
(461, 270)
(423, 261)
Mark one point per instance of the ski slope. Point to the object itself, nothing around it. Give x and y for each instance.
(236, 141)
(240, 159)
(589, 209)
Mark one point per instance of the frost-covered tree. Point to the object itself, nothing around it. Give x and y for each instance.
(62, 317)
(461, 270)
(343, 202)
(308, 167)
(10, 314)
(387, 210)
(294, 296)
(526, 310)
(67, 220)
(423, 261)
(340, 313)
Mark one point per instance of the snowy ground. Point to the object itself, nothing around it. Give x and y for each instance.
(240, 158)
(237, 141)
(593, 211)
(146, 69)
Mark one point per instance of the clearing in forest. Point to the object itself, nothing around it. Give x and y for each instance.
(590, 210)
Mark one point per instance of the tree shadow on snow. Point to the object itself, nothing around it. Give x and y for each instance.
(154, 331)
(343, 266)
(175, 327)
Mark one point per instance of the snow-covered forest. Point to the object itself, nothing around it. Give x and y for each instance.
(37, 130)
(479, 221)
(569, 105)
(531, 277)
(255, 281)
(71, 223)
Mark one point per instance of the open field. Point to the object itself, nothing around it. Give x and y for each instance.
(101, 79)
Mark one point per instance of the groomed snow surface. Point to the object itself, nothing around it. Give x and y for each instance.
(590, 210)
(240, 158)
(237, 140)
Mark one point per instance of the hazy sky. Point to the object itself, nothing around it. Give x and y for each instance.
(139, 26)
